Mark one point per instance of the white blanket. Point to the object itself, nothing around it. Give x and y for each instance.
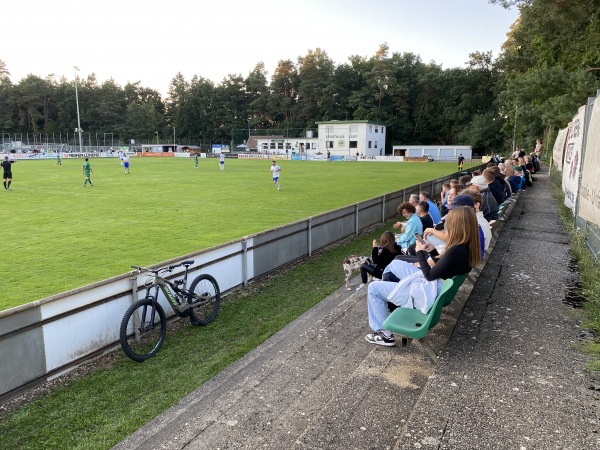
(415, 292)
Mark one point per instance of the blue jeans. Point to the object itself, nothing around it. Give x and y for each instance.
(378, 292)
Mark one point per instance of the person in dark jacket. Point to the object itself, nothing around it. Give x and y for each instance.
(423, 213)
(489, 206)
(381, 255)
(536, 162)
(514, 175)
(494, 186)
(506, 189)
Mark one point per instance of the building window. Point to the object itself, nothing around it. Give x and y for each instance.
(353, 144)
(375, 144)
(265, 146)
(280, 146)
(288, 145)
(376, 130)
(369, 144)
(328, 144)
(272, 146)
(370, 128)
(382, 129)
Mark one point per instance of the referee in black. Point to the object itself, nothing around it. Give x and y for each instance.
(7, 166)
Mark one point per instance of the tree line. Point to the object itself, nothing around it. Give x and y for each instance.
(548, 66)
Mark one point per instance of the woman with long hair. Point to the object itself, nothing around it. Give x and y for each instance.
(462, 253)
(381, 256)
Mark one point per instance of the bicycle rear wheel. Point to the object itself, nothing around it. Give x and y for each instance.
(143, 329)
(205, 299)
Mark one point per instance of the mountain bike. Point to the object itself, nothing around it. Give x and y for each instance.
(144, 325)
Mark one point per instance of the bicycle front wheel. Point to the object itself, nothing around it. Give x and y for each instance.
(205, 297)
(143, 329)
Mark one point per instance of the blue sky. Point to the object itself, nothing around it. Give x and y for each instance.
(150, 41)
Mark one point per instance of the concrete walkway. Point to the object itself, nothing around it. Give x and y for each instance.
(508, 376)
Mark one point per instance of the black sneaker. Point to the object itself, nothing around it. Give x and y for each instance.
(379, 339)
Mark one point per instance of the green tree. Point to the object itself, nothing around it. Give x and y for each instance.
(347, 79)
(8, 110)
(281, 104)
(257, 92)
(179, 88)
(315, 73)
(142, 122)
(231, 108)
(543, 98)
(197, 116)
(552, 38)
(32, 96)
(110, 107)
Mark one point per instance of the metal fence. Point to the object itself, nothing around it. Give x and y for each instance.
(591, 232)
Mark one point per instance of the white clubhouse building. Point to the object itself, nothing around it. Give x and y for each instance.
(341, 139)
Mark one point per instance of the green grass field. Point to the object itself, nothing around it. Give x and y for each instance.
(59, 235)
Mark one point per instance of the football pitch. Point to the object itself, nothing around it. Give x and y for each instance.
(59, 235)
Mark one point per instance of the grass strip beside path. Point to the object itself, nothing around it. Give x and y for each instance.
(589, 268)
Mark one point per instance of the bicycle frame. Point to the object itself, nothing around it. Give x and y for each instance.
(175, 295)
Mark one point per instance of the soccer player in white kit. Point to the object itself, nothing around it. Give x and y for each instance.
(275, 169)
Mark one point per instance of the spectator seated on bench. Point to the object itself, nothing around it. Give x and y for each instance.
(464, 179)
(529, 167)
(454, 191)
(494, 186)
(515, 178)
(499, 175)
(381, 256)
(537, 165)
(423, 213)
(424, 196)
(484, 225)
(421, 282)
(444, 197)
(410, 227)
(489, 206)
(439, 235)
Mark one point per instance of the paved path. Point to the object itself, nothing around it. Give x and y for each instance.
(508, 376)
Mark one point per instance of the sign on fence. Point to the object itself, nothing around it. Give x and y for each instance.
(559, 148)
(589, 199)
(572, 163)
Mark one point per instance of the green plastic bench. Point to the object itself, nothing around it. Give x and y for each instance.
(412, 323)
(457, 282)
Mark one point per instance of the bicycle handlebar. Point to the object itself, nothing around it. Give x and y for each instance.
(169, 268)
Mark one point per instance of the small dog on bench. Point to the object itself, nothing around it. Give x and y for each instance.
(353, 263)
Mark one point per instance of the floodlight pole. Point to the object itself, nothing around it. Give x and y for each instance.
(514, 142)
(78, 119)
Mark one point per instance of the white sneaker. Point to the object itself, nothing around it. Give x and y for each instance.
(379, 338)
(360, 286)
